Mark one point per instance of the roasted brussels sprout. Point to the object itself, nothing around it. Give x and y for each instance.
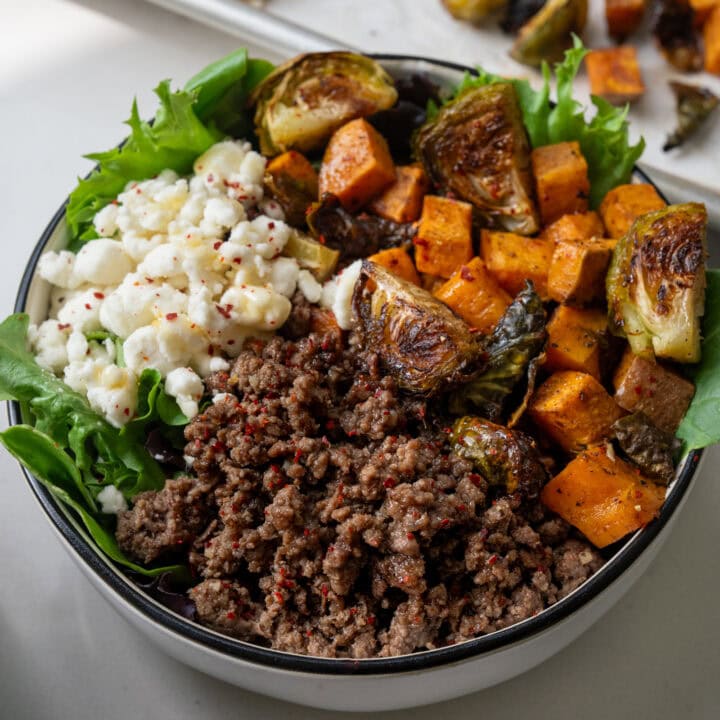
(304, 101)
(476, 149)
(518, 12)
(649, 447)
(355, 236)
(504, 457)
(548, 34)
(472, 10)
(656, 283)
(694, 104)
(515, 343)
(421, 343)
(311, 255)
(674, 29)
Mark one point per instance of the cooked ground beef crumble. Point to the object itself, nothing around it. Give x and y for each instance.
(328, 515)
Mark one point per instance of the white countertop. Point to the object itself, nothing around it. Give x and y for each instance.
(68, 71)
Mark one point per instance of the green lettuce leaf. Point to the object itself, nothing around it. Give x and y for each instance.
(186, 124)
(604, 139)
(701, 425)
(56, 471)
(98, 450)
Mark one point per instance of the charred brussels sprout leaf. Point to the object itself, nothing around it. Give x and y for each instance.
(304, 101)
(420, 342)
(549, 33)
(504, 457)
(518, 12)
(656, 283)
(472, 10)
(355, 236)
(675, 34)
(694, 104)
(650, 448)
(476, 149)
(513, 347)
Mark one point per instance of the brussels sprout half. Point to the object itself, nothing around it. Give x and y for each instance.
(477, 149)
(656, 283)
(419, 340)
(301, 103)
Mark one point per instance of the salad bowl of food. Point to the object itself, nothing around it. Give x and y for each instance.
(356, 382)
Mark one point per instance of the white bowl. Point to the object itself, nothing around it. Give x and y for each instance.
(341, 684)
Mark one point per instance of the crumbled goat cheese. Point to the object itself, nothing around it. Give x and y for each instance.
(187, 389)
(111, 500)
(337, 294)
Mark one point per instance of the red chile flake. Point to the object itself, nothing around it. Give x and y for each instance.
(217, 244)
(324, 590)
(410, 536)
(279, 597)
(271, 225)
(63, 326)
(492, 559)
(230, 615)
(444, 522)
(371, 619)
(465, 273)
(389, 482)
(224, 311)
(171, 316)
(306, 532)
(88, 306)
(99, 295)
(298, 455)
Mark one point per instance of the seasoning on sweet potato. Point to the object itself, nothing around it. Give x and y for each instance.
(711, 37)
(402, 201)
(357, 164)
(623, 17)
(575, 339)
(623, 204)
(574, 410)
(614, 74)
(578, 269)
(603, 496)
(575, 226)
(646, 386)
(398, 262)
(561, 180)
(444, 237)
(474, 294)
(513, 259)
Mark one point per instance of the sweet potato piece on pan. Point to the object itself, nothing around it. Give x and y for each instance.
(575, 226)
(578, 269)
(574, 340)
(623, 204)
(623, 17)
(615, 74)
(603, 496)
(402, 201)
(398, 262)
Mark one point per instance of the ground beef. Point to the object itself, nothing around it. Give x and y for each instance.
(329, 516)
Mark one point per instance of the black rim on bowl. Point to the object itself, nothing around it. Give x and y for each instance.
(123, 587)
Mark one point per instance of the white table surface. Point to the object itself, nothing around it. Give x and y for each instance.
(68, 71)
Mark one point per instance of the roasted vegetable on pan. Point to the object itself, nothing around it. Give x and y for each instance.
(549, 33)
(623, 17)
(421, 343)
(656, 283)
(476, 148)
(301, 103)
(694, 105)
(675, 34)
(518, 12)
(292, 182)
(504, 457)
(512, 350)
(472, 10)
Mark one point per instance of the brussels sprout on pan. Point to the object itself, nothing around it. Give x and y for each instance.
(355, 236)
(513, 349)
(675, 34)
(476, 149)
(656, 283)
(421, 343)
(547, 35)
(504, 457)
(694, 104)
(649, 447)
(304, 101)
(472, 10)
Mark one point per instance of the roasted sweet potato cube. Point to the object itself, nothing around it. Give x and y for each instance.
(444, 237)
(615, 74)
(711, 36)
(603, 496)
(296, 166)
(574, 410)
(398, 262)
(513, 259)
(578, 269)
(575, 339)
(623, 17)
(402, 201)
(474, 294)
(576, 226)
(643, 385)
(561, 180)
(357, 164)
(623, 204)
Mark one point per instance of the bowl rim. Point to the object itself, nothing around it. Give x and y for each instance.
(120, 585)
